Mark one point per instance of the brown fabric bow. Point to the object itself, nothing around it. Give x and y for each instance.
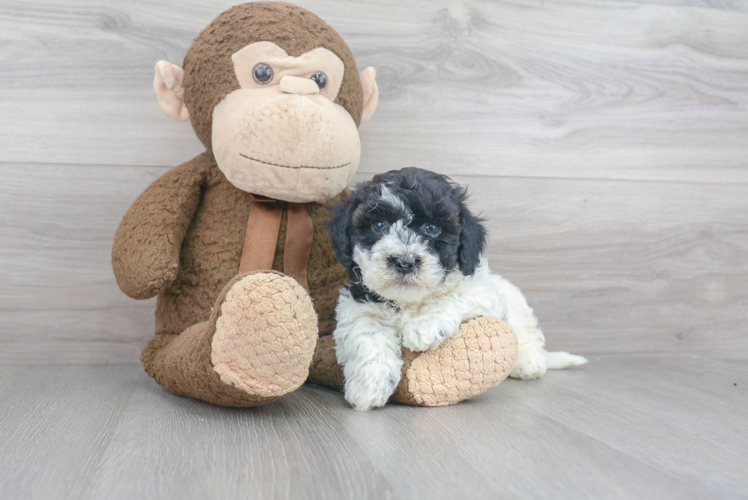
(261, 238)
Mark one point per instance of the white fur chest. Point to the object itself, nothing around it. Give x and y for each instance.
(466, 296)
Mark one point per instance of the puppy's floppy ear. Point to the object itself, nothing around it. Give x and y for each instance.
(472, 239)
(340, 226)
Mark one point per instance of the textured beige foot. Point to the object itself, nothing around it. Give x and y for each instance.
(473, 361)
(265, 335)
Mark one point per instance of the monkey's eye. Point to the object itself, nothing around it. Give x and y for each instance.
(262, 73)
(320, 79)
(430, 229)
(380, 226)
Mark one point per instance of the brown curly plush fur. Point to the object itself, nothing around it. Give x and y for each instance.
(183, 237)
(294, 29)
(182, 240)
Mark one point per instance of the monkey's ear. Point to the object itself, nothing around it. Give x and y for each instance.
(168, 84)
(371, 92)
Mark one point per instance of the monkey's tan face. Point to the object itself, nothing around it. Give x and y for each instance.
(281, 135)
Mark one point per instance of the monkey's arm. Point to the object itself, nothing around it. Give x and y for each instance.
(145, 255)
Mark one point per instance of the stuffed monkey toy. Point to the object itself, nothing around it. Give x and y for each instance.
(234, 242)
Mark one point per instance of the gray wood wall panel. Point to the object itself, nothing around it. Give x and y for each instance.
(608, 266)
(58, 298)
(559, 89)
(607, 143)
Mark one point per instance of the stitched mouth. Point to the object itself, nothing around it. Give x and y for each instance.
(292, 167)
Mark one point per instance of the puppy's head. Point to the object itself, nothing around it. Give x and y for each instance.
(401, 233)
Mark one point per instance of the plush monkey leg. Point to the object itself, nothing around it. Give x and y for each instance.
(255, 348)
(477, 358)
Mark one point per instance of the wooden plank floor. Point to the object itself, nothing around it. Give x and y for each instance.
(643, 426)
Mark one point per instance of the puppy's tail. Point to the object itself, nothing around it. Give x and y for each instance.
(559, 360)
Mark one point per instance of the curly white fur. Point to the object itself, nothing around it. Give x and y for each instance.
(369, 335)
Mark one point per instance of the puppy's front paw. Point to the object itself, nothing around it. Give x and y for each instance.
(425, 333)
(529, 365)
(365, 394)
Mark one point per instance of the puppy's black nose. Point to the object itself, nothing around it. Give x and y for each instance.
(405, 264)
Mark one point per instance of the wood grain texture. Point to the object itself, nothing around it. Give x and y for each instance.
(622, 427)
(605, 142)
(55, 424)
(621, 90)
(623, 266)
(608, 266)
(59, 301)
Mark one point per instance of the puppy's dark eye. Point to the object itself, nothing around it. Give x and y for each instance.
(320, 79)
(430, 229)
(380, 226)
(262, 73)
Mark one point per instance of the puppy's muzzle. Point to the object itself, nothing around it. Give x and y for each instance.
(405, 265)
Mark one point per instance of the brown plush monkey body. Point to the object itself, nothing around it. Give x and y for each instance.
(274, 94)
(194, 204)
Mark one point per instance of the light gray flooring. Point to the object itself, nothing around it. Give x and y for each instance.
(623, 426)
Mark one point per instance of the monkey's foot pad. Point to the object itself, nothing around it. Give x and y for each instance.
(477, 358)
(265, 335)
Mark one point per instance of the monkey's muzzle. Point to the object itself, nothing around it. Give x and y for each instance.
(292, 147)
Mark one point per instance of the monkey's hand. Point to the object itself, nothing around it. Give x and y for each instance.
(145, 254)
(428, 331)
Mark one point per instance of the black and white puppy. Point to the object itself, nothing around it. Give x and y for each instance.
(413, 253)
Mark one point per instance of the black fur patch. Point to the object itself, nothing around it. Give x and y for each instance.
(425, 198)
